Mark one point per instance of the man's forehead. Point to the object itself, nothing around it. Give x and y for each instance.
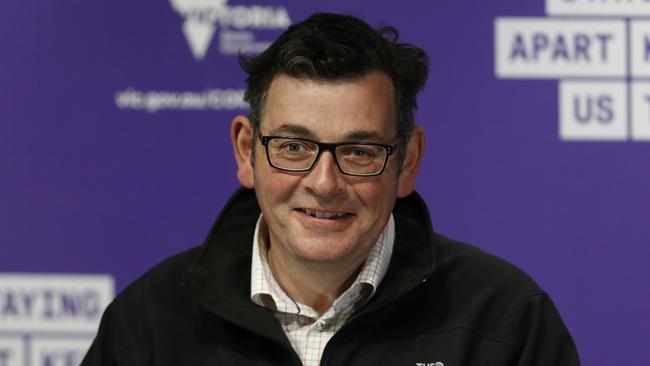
(362, 108)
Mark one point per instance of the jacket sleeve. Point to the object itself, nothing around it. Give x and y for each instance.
(539, 337)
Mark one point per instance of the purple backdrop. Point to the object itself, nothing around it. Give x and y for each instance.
(89, 185)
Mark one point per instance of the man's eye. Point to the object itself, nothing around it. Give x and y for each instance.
(360, 153)
(294, 147)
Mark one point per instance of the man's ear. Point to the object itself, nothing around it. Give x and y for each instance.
(412, 158)
(241, 135)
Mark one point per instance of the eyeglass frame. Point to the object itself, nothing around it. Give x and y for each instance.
(331, 147)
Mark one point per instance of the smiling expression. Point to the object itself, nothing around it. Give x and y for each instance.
(323, 216)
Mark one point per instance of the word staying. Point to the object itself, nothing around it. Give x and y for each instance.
(49, 304)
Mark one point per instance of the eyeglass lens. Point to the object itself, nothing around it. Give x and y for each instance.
(296, 154)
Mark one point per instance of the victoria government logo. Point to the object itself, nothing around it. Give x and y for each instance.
(599, 51)
(234, 25)
(50, 320)
(234, 29)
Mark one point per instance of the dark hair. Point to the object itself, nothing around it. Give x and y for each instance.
(330, 47)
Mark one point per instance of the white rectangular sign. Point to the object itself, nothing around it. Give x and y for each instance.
(641, 111)
(59, 352)
(591, 110)
(57, 302)
(628, 8)
(11, 351)
(640, 48)
(556, 48)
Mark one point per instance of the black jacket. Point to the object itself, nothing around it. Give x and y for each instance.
(440, 301)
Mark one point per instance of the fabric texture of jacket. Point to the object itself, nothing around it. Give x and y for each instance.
(440, 303)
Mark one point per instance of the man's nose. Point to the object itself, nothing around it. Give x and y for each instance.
(325, 179)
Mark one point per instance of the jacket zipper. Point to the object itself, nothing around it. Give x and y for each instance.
(326, 352)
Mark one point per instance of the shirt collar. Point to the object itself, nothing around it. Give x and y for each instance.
(266, 292)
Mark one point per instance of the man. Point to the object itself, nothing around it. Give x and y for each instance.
(327, 255)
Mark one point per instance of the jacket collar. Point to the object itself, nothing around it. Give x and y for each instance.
(220, 276)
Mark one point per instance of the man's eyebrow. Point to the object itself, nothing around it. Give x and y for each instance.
(302, 131)
(294, 130)
(363, 135)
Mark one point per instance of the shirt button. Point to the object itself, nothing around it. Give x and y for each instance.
(320, 325)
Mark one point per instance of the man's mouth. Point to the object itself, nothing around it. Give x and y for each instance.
(332, 215)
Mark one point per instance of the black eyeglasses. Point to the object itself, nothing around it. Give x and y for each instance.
(352, 158)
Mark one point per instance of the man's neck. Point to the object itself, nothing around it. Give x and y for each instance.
(314, 285)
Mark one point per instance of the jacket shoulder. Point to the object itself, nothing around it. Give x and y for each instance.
(486, 292)
(157, 297)
(476, 268)
(498, 301)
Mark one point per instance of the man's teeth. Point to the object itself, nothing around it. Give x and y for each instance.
(324, 214)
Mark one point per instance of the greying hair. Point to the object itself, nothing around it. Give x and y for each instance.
(334, 47)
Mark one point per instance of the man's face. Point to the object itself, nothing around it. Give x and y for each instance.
(331, 112)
